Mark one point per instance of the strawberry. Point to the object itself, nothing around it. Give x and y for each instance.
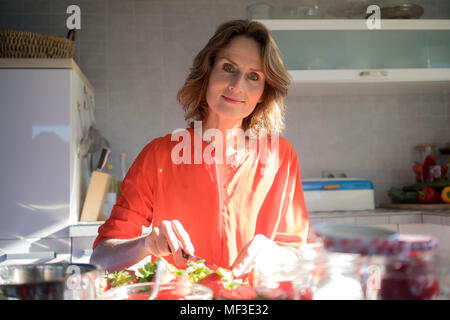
(177, 289)
(138, 296)
(183, 285)
(168, 294)
(305, 294)
(103, 285)
(214, 282)
(244, 292)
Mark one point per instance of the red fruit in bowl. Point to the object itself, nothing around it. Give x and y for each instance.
(214, 282)
(244, 292)
(103, 285)
(305, 294)
(138, 296)
(183, 285)
(169, 294)
(284, 291)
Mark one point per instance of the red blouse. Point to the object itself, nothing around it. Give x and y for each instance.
(263, 196)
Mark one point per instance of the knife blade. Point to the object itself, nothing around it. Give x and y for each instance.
(103, 158)
(194, 258)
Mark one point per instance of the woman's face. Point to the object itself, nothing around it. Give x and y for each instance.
(236, 82)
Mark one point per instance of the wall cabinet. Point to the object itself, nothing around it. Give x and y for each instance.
(344, 56)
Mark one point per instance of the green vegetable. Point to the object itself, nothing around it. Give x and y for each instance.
(438, 185)
(196, 270)
(120, 278)
(147, 272)
(399, 196)
(229, 282)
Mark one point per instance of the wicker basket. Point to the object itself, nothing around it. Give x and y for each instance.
(24, 44)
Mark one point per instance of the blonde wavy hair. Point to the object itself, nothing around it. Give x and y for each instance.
(268, 115)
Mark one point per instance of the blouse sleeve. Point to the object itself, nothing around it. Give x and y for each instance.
(134, 208)
(293, 226)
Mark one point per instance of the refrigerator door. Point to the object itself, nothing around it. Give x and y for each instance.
(35, 142)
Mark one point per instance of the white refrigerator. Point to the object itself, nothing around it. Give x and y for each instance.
(43, 106)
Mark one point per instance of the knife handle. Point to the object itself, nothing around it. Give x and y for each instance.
(183, 253)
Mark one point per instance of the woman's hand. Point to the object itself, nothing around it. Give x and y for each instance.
(169, 238)
(261, 251)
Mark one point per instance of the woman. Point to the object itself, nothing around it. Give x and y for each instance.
(230, 191)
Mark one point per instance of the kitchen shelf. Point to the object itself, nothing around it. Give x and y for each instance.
(354, 24)
(340, 57)
(363, 82)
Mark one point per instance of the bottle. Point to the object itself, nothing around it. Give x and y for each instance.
(122, 165)
(111, 196)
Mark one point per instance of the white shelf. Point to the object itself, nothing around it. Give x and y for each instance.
(371, 75)
(354, 24)
(345, 82)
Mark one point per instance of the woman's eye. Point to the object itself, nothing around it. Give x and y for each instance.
(253, 76)
(228, 67)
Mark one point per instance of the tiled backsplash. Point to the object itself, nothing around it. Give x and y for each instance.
(137, 55)
(372, 137)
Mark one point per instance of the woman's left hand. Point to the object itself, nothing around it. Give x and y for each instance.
(260, 250)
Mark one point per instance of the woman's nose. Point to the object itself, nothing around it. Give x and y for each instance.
(237, 83)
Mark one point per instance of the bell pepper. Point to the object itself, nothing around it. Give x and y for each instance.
(445, 195)
(429, 195)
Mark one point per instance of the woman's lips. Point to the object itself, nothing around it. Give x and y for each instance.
(232, 100)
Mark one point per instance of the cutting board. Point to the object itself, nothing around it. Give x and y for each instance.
(93, 204)
(417, 206)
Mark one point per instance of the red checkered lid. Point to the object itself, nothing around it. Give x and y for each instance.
(416, 242)
(357, 239)
(395, 244)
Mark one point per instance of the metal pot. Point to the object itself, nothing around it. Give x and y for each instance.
(59, 281)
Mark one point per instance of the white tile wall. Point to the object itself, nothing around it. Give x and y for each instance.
(429, 219)
(441, 232)
(405, 219)
(445, 220)
(137, 54)
(372, 220)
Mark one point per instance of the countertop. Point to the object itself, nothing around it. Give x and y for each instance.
(379, 216)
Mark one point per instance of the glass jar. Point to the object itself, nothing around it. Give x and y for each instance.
(325, 275)
(273, 275)
(408, 271)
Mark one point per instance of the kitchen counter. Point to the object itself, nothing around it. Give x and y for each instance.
(367, 217)
(435, 223)
(85, 229)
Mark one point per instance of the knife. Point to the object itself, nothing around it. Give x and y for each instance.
(194, 258)
(103, 158)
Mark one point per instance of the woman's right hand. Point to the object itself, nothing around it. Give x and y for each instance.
(169, 238)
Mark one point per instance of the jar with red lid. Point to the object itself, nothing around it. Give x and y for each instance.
(407, 270)
(330, 265)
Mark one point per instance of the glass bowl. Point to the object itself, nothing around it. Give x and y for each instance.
(166, 291)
